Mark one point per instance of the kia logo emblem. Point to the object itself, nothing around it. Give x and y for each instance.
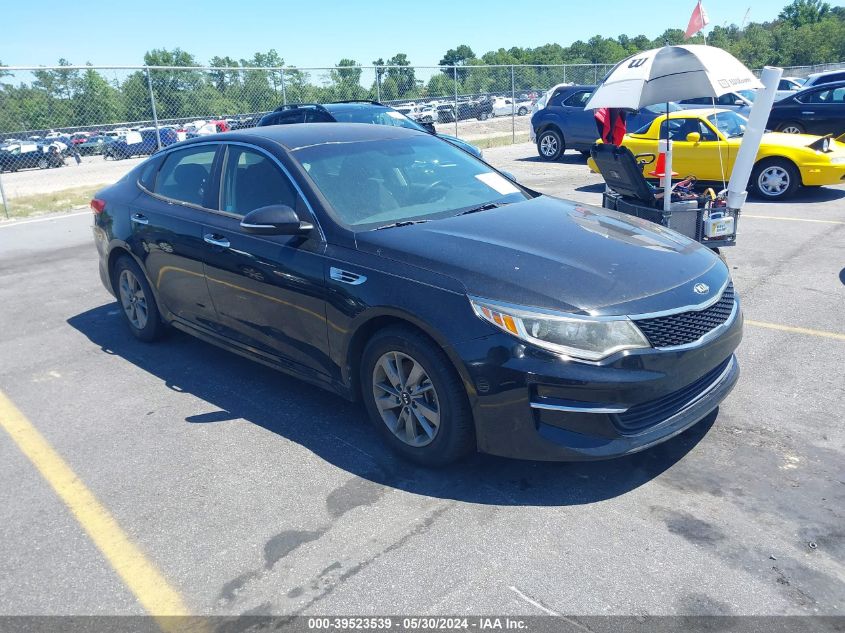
(701, 289)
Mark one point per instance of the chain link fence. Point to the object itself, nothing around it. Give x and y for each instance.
(67, 130)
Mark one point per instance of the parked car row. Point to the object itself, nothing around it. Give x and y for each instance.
(30, 155)
(356, 112)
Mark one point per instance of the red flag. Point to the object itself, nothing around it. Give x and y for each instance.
(698, 20)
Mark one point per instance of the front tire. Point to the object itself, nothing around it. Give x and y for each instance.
(775, 179)
(550, 145)
(136, 298)
(415, 397)
(522, 111)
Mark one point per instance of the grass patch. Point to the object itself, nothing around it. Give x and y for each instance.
(499, 141)
(62, 200)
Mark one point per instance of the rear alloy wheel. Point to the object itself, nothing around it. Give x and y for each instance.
(43, 163)
(522, 111)
(550, 145)
(792, 128)
(775, 179)
(137, 300)
(415, 397)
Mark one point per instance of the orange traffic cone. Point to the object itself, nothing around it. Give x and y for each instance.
(660, 167)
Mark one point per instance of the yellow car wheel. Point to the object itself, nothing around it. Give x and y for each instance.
(775, 179)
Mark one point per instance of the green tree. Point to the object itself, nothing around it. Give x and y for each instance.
(225, 81)
(96, 101)
(459, 56)
(380, 70)
(403, 76)
(346, 80)
(802, 12)
(174, 89)
(440, 86)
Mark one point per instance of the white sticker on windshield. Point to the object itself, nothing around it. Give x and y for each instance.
(394, 114)
(498, 183)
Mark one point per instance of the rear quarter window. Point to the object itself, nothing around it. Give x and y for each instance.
(147, 177)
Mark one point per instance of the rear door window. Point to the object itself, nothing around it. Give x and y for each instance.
(185, 175)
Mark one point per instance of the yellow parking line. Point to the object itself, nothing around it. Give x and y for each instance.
(139, 574)
(777, 217)
(796, 330)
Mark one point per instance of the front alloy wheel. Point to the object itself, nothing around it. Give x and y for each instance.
(406, 399)
(415, 397)
(775, 179)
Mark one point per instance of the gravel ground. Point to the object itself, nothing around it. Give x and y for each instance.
(94, 170)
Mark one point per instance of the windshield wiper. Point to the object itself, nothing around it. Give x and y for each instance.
(400, 223)
(484, 207)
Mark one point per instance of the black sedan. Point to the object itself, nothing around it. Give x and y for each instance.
(465, 310)
(817, 110)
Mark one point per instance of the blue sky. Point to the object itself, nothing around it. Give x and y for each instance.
(320, 32)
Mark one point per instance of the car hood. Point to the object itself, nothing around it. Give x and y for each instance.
(560, 255)
(779, 139)
(454, 140)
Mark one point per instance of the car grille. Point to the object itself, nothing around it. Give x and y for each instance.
(647, 414)
(688, 327)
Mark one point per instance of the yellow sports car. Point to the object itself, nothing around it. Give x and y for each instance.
(706, 142)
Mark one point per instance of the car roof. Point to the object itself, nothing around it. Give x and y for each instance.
(297, 135)
(825, 86)
(345, 107)
(826, 73)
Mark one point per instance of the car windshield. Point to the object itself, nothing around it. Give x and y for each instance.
(748, 94)
(377, 116)
(729, 123)
(370, 184)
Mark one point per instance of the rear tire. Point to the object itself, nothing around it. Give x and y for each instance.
(522, 111)
(415, 397)
(550, 145)
(775, 179)
(137, 301)
(791, 127)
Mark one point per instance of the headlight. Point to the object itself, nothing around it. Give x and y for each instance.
(589, 338)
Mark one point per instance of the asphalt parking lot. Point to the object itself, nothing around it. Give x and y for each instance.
(231, 489)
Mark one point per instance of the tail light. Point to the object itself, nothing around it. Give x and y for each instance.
(98, 206)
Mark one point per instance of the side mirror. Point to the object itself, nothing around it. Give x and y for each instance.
(429, 127)
(739, 102)
(276, 219)
(508, 175)
(693, 137)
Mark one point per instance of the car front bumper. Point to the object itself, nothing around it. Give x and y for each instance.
(816, 174)
(534, 405)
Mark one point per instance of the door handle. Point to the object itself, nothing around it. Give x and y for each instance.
(808, 113)
(216, 240)
(139, 218)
